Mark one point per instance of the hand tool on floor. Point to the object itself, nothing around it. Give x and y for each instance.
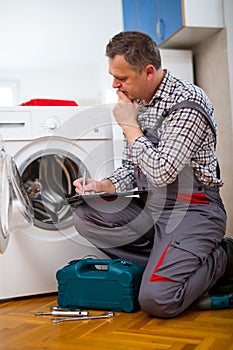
(215, 302)
(107, 315)
(60, 312)
(58, 308)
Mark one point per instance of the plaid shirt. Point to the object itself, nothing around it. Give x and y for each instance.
(185, 137)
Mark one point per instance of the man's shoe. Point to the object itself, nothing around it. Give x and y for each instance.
(223, 286)
(227, 244)
(225, 283)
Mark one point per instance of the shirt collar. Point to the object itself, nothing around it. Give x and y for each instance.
(164, 89)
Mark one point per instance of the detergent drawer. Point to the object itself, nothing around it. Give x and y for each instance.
(15, 125)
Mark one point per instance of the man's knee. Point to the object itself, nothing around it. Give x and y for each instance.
(80, 217)
(81, 209)
(161, 300)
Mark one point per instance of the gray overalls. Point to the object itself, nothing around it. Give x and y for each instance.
(174, 231)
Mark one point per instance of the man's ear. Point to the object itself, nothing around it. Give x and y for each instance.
(150, 71)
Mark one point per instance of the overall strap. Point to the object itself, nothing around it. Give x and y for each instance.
(194, 105)
(198, 107)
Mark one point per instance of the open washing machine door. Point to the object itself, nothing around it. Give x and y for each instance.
(16, 211)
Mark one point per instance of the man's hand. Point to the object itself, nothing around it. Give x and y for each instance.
(125, 113)
(93, 186)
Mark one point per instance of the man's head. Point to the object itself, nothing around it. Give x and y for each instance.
(138, 49)
(135, 64)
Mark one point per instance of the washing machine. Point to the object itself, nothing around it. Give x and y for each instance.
(43, 150)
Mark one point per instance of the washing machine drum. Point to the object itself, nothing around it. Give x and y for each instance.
(48, 180)
(16, 211)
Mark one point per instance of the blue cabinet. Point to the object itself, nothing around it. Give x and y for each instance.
(153, 17)
(174, 23)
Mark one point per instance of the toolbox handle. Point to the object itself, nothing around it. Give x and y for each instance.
(86, 264)
(91, 261)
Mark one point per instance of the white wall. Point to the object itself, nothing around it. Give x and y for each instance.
(213, 65)
(56, 48)
(228, 14)
(71, 84)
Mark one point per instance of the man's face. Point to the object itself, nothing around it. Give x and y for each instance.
(133, 84)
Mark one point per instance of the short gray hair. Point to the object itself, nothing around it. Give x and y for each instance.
(138, 49)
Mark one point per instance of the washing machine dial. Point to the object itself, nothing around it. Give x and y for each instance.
(52, 123)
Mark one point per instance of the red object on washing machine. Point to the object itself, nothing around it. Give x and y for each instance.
(49, 102)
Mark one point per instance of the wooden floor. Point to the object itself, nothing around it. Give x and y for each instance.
(20, 329)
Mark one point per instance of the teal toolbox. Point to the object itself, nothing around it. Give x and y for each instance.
(100, 284)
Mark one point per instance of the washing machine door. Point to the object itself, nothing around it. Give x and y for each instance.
(16, 211)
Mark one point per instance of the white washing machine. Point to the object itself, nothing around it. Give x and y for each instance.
(50, 147)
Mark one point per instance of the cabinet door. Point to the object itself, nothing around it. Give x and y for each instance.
(140, 15)
(131, 18)
(169, 18)
(158, 18)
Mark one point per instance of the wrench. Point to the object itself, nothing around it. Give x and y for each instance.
(109, 314)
